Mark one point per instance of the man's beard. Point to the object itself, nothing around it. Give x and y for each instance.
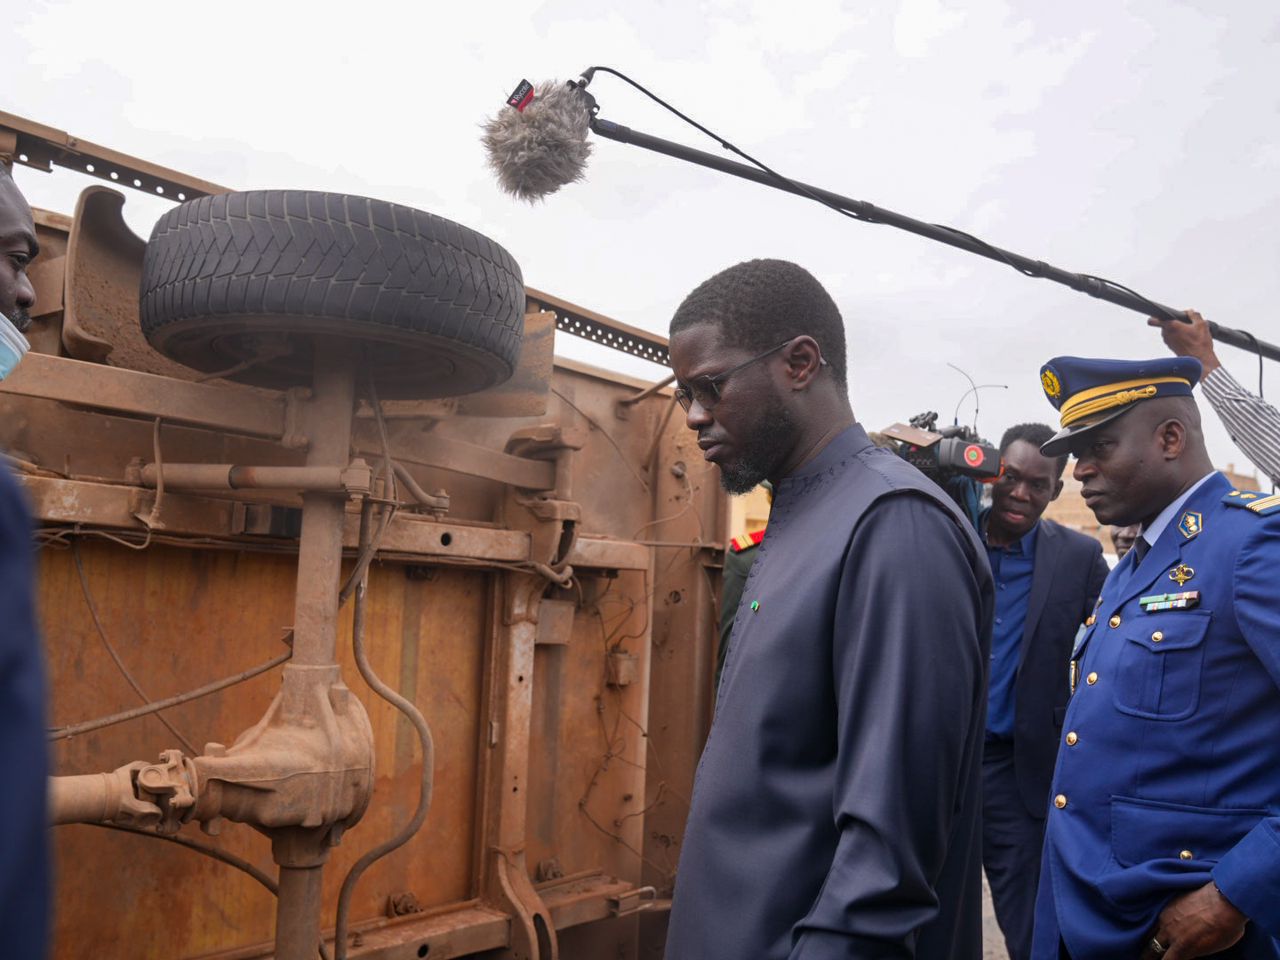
(763, 451)
(19, 317)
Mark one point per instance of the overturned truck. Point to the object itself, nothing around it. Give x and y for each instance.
(373, 629)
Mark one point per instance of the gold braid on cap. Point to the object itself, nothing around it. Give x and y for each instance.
(1086, 403)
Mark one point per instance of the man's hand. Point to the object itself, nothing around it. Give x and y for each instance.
(1188, 339)
(1195, 924)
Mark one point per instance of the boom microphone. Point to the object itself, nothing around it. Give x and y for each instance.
(538, 142)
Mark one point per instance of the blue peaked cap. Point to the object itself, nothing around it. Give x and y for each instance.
(1088, 393)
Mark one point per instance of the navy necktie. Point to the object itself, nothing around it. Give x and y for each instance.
(1140, 548)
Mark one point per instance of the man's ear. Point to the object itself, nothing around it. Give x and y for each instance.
(1057, 489)
(1173, 438)
(804, 360)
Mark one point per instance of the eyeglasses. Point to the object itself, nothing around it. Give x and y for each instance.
(706, 390)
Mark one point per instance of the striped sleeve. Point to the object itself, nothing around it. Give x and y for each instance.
(1253, 423)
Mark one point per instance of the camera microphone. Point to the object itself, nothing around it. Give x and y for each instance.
(537, 143)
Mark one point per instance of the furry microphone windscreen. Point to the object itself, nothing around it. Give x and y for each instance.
(537, 151)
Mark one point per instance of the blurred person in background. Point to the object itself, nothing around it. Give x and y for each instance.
(1122, 538)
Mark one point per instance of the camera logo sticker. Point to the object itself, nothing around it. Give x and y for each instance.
(1052, 386)
(973, 455)
(521, 96)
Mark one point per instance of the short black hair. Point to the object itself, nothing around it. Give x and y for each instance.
(759, 304)
(1036, 434)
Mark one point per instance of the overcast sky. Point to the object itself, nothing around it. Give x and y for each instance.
(1138, 141)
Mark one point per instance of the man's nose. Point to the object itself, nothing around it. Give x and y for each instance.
(1083, 470)
(697, 416)
(24, 292)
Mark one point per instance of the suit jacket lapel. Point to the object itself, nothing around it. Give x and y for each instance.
(1043, 571)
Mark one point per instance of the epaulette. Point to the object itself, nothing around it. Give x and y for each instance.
(746, 541)
(1262, 504)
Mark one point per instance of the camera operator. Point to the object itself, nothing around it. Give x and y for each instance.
(1047, 581)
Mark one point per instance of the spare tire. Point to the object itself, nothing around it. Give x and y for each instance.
(246, 282)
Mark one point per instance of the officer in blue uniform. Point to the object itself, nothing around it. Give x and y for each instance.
(1163, 833)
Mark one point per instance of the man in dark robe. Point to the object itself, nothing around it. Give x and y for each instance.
(835, 809)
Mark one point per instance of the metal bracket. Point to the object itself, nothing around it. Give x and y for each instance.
(295, 400)
(172, 785)
(633, 901)
(581, 322)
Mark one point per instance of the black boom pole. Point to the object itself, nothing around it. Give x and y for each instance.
(861, 210)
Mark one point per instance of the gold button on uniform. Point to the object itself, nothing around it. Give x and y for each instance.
(1186, 855)
(1157, 637)
(1115, 621)
(1060, 801)
(1090, 621)
(1072, 738)
(1091, 679)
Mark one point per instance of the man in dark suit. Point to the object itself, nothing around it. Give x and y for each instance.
(24, 860)
(1047, 581)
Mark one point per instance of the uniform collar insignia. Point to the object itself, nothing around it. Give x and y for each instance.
(1190, 525)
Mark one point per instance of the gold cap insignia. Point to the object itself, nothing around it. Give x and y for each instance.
(1052, 387)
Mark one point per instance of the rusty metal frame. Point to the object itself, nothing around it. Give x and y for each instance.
(255, 413)
(596, 327)
(248, 411)
(43, 147)
(88, 504)
(471, 927)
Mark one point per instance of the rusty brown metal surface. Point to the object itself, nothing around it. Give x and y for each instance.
(47, 273)
(556, 627)
(181, 617)
(460, 930)
(418, 446)
(218, 407)
(526, 393)
(104, 272)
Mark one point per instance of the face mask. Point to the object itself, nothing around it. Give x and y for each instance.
(13, 346)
